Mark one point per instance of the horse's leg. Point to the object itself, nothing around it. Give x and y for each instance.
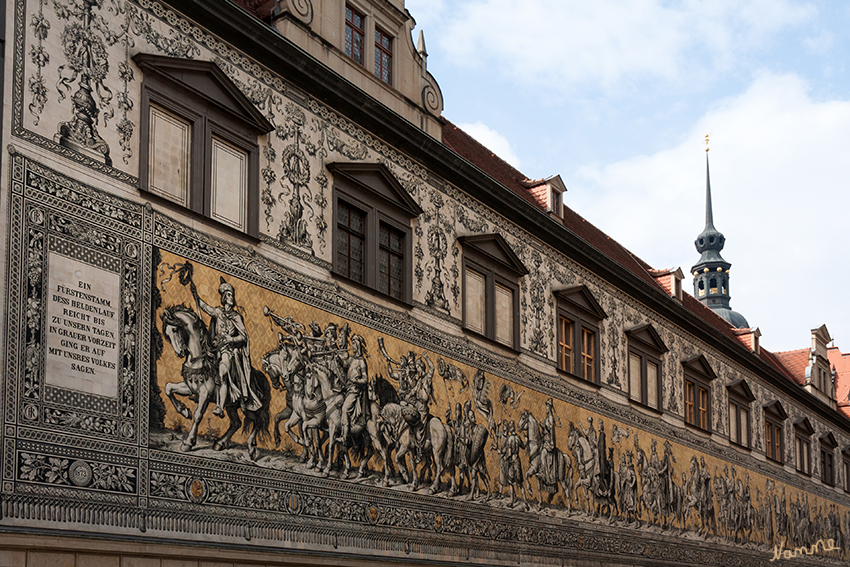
(333, 442)
(284, 415)
(173, 389)
(400, 461)
(235, 422)
(438, 449)
(251, 444)
(203, 402)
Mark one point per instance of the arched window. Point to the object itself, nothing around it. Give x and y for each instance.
(712, 285)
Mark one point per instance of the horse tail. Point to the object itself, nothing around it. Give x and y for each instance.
(261, 418)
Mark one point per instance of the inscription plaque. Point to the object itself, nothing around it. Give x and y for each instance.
(82, 327)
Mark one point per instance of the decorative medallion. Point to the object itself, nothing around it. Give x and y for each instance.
(372, 514)
(438, 523)
(30, 412)
(80, 473)
(196, 489)
(294, 503)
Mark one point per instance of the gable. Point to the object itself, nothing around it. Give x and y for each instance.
(494, 247)
(648, 337)
(579, 296)
(204, 80)
(378, 180)
(699, 365)
(775, 408)
(804, 425)
(740, 388)
(828, 440)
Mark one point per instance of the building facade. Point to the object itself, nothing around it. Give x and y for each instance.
(263, 304)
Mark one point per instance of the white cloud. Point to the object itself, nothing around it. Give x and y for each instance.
(565, 43)
(493, 141)
(779, 177)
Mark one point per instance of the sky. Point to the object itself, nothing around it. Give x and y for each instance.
(617, 96)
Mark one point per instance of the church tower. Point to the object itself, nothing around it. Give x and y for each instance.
(711, 272)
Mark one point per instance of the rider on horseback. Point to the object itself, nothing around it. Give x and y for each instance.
(230, 341)
(357, 380)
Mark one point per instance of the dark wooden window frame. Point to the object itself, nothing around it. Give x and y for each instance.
(741, 398)
(351, 26)
(803, 432)
(645, 343)
(827, 445)
(491, 256)
(699, 374)
(210, 113)
(381, 50)
(357, 186)
(577, 305)
(845, 469)
(774, 418)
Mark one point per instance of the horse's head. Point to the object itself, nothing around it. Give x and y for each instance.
(184, 331)
(174, 331)
(523, 419)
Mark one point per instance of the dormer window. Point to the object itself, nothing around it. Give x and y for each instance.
(698, 378)
(372, 242)
(579, 319)
(803, 446)
(740, 398)
(355, 33)
(491, 274)
(555, 202)
(383, 56)
(645, 352)
(199, 141)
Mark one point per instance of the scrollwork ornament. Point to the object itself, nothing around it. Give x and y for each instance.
(301, 9)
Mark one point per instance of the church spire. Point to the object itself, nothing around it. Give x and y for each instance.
(711, 272)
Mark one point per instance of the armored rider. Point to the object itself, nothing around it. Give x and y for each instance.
(230, 342)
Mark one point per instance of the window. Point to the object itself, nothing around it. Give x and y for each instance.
(845, 459)
(698, 377)
(827, 458)
(372, 244)
(383, 56)
(774, 419)
(645, 350)
(740, 398)
(579, 316)
(802, 445)
(199, 141)
(491, 273)
(354, 34)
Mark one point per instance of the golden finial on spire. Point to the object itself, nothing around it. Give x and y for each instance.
(706, 141)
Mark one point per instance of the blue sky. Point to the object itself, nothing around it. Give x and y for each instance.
(616, 97)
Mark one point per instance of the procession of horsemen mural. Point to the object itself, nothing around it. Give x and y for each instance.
(294, 388)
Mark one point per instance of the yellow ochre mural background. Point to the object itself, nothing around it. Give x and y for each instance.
(487, 437)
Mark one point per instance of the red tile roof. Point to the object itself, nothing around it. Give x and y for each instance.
(488, 162)
(795, 361)
(470, 149)
(260, 8)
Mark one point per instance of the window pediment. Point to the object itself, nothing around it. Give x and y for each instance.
(378, 180)
(775, 409)
(206, 81)
(495, 248)
(803, 425)
(580, 297)
(741, 389)
(648, 337)
(828, 440)
(700, 366)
